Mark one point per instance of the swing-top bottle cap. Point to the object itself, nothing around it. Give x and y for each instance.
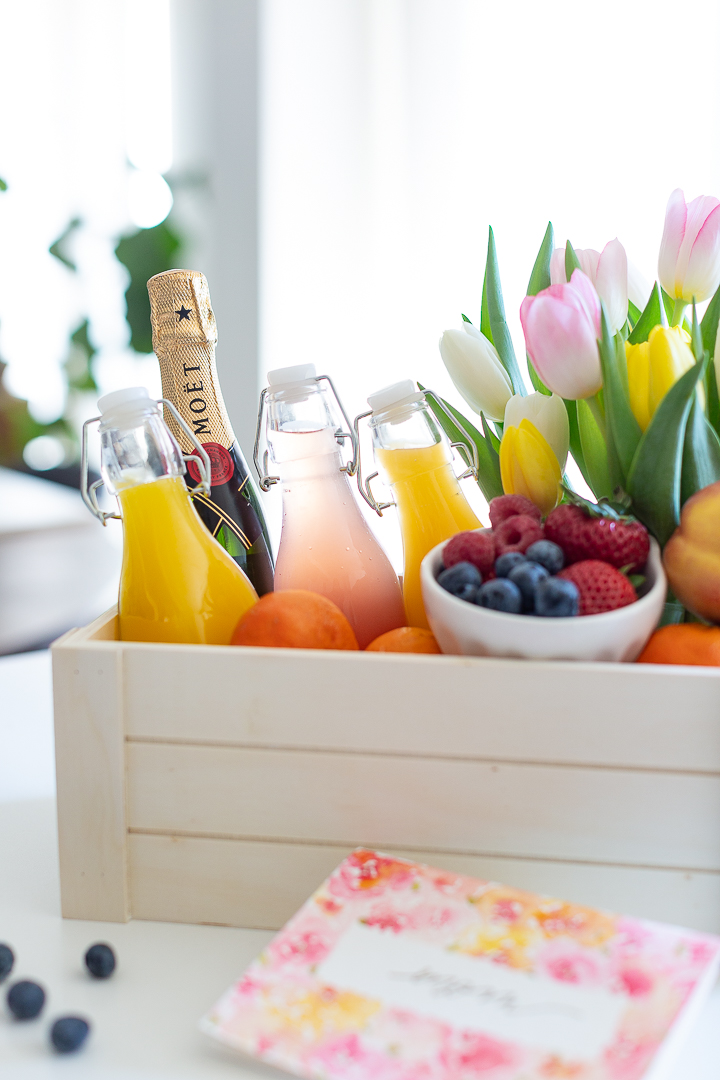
(124, 405)
(285, 376)
(400, 393)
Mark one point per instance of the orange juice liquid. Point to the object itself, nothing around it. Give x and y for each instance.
(432, 508)
(177, 583)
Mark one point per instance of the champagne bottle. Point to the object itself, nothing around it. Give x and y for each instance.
(184, 337)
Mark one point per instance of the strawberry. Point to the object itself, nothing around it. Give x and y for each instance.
(601, 586)
(477, 548)
(517, 533)
(587, 530)
(503, 507)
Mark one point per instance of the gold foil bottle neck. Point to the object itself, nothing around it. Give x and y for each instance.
(180, 309)
(184, 336)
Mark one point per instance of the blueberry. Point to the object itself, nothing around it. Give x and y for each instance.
(556, 598)
(527, 576)
(549, 555)
(69, 1033)
(25, 999)
(7, 959)
(500, 595)
(462, 580)
(100, 961)
(505, 563)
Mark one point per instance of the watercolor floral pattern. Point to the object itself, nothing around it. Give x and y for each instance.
(282, 1013)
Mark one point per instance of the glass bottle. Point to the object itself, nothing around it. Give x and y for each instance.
(177, 584)
(415, 460)
(326, 546)
(184, 338)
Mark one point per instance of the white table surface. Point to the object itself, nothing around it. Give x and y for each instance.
(145, 1017)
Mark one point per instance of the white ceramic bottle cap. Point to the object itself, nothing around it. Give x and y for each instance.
(295, 374)
(393, 395)
(120, 398)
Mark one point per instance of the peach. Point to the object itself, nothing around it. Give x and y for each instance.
(692, 554)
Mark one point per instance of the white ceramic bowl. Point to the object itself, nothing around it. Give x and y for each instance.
(468, 630)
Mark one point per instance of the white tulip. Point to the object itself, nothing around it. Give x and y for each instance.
(474, 366)
(608, 271)
(549, 416)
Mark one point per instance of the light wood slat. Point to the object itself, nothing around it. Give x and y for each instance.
(642, 818)
(259, 884)
(607, 714)
(90, 761)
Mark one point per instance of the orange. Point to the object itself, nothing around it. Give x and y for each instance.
(687, 643)
(295, 619)
(405, 639)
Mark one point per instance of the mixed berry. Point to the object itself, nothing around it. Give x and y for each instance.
(575, 563)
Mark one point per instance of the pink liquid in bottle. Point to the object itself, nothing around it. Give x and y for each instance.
(325, 545)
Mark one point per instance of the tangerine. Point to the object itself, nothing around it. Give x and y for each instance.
(407, 639)
(686, 643)
(295, 619)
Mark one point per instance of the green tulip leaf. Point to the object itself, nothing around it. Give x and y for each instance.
(540, 277)
(634, 314)
(493, 302)
(654, 482)
(709, 324)
(488, 461)
(622, 427)
(701, 454)
(3, 184)
(575, 445)
(571, 261)
(465, 319)
(712, 399)
(535, 379)
(653, 315)
(669, 305)
(594, 451)
(696, 341)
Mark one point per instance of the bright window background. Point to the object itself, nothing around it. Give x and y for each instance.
(395, 131)
(77, 139)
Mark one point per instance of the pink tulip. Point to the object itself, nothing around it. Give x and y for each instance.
(689, 261)
(561, 326)
(608, 271)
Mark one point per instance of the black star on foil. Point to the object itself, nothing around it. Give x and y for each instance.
(183, 313)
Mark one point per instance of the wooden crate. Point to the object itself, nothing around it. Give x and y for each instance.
(218, 785)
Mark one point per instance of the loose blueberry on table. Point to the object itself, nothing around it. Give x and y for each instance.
(68, 1033)
(25, 999)
(7, 959)
(100, 961)
(570, 565)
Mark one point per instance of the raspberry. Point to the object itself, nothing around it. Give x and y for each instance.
(477, 548)
(506, 506)
(601, 586)
(517, 533)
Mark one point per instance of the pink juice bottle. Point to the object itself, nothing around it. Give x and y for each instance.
(326, 545)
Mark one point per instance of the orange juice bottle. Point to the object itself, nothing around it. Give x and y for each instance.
(326, 545)
(415, 460)
(177, 583)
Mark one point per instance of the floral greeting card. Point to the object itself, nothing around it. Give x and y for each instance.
(397, 971)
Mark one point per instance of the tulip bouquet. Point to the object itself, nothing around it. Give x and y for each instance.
(623, 383)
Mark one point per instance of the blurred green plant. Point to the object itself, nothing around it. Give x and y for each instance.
(144, 253)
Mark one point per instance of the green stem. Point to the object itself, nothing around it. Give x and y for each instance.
(677, 314)
(596, 410)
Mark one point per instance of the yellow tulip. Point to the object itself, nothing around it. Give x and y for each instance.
(654, 366)
(528, 466)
